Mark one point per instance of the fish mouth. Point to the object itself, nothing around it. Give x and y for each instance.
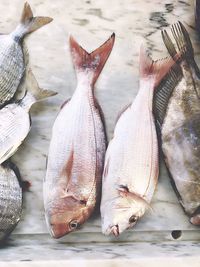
(115, 230)
(195, 220)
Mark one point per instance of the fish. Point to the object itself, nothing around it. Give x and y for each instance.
(131, 166)
(15, 120)
(197, 15)
(12, 65)
(72, 184)
(10, 200)
(180, 122)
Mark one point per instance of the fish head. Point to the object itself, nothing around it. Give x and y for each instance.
(66, 215)
(122, 213)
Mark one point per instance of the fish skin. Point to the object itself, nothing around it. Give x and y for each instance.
(180, 130)
(12, 65)
(76, 155)
(131, 164)
(10, 201)
(15, 120)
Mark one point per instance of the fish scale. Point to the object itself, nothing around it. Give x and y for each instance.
(10, 201)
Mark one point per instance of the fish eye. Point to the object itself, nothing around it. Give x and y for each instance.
(133, 219)
(73, 224)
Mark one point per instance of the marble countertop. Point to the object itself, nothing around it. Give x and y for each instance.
(91, 22)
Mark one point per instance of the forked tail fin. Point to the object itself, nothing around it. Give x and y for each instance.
(90, 64)
(154, 69)
(29, 23)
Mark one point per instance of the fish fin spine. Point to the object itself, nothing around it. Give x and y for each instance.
(90, 64)
(183, 43)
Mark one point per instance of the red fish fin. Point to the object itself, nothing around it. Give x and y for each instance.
(155, 69)
(90, 64)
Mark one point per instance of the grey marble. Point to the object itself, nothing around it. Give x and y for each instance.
(91, 22)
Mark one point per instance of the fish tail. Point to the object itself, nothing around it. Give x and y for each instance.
(33, 87)
(183, 43)
(90, 64)
(154, 69)
(29, 23)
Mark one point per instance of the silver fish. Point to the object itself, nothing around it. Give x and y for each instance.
(75, 163)
(131, 164)
(180, 126)
(10, 200)
(15, 119)
(12, 64)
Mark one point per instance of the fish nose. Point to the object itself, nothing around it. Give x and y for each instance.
(115, 230)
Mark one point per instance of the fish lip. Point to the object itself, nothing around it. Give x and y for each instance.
(195, 219)
(114, 230)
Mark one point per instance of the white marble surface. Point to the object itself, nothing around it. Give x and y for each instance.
(91, 22)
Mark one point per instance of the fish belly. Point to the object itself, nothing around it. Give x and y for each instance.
(132, 154)
(11, 68)
(181, 147)
(76, 153)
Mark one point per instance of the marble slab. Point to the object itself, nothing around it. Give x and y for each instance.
(91, 22)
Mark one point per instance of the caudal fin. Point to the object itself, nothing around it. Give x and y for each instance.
(33, 87)
(154, 69)
(90, 64)
(29, 23)
(183, 42)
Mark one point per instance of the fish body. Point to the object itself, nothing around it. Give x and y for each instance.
(76, 155)
(180, 130)
(15, 118)
(10, 201)
(131, 164)
(12, 64)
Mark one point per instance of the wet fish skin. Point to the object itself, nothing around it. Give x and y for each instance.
(10, 201)
(131, 164)
(12, 65)
(181, 126)
(15, 118)
(76, 155)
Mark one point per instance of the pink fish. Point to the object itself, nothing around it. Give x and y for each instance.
(75, 163)
(131, 164)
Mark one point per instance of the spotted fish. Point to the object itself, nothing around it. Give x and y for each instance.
(180, 121)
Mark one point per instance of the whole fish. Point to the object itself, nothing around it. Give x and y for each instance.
(180, 127)
(75, 163)
(15, 120)
(12, 64)
(131, 164)
(10, 200)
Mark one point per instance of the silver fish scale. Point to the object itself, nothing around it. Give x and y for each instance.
(10, 201)
(11, 67)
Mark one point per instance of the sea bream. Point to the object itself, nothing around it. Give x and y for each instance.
(12, 65)
(131, 164)
(10, 200)
(76, 155)
(15, 120)
(180, 124)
